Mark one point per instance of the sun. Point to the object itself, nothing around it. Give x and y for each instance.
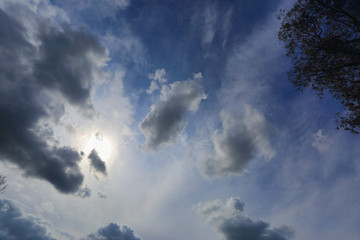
(101, 145)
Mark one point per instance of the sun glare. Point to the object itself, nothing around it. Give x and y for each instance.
(101, 145)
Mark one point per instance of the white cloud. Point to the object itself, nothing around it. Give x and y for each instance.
(322, 143)
(157, 78)
(240, 141)
(210, 18)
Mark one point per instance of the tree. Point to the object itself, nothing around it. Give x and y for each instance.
(322, 38)
(2, 183)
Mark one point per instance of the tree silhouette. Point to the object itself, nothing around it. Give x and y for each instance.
(2, 183)
(322, 38)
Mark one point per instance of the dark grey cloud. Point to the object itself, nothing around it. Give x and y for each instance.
(63, 62)
(230, 221)
(240, 141)
(168, 117)
(15, 226)
(67, 62)
(96, 162)
(113, 232)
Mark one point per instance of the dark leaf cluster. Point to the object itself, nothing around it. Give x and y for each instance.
(322, 38)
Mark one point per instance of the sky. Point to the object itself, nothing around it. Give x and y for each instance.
(165, 120)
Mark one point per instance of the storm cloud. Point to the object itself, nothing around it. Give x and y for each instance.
(14, 225)
(168, 117)
(68, 59)
(240, 140)
(96, 162)
(230, 221)
(62, 60)
(113, 231)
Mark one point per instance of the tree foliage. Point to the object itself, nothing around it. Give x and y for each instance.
(2, 183)
(322, 38)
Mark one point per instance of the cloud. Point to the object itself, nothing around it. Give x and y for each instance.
(101, 195)
(96, 162)
(103, 9)
(84, 192)
(157, 78)
(238, 143)
(68, 62)
(32, 61)
(229, 219)
(210, 18)
(322, 143)
(16, 226)
(226, 25)
(168, 117)
(113, 231)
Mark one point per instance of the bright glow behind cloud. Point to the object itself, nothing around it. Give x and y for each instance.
(101, 144)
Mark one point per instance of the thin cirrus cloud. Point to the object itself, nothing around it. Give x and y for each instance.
(232, 223)
(239, 141)
(62, 61)
(168, 117)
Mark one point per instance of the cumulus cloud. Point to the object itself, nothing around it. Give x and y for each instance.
(96, 162)
(168, 117)
(157, 78)
(49, 58)
(16, 226)
(68, 61)
(113, 231)
(240, 140)
(230, 221)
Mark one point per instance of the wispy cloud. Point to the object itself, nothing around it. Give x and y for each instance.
(321, 142)
(210, 18)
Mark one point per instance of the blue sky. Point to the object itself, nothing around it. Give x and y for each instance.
(160, 120)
